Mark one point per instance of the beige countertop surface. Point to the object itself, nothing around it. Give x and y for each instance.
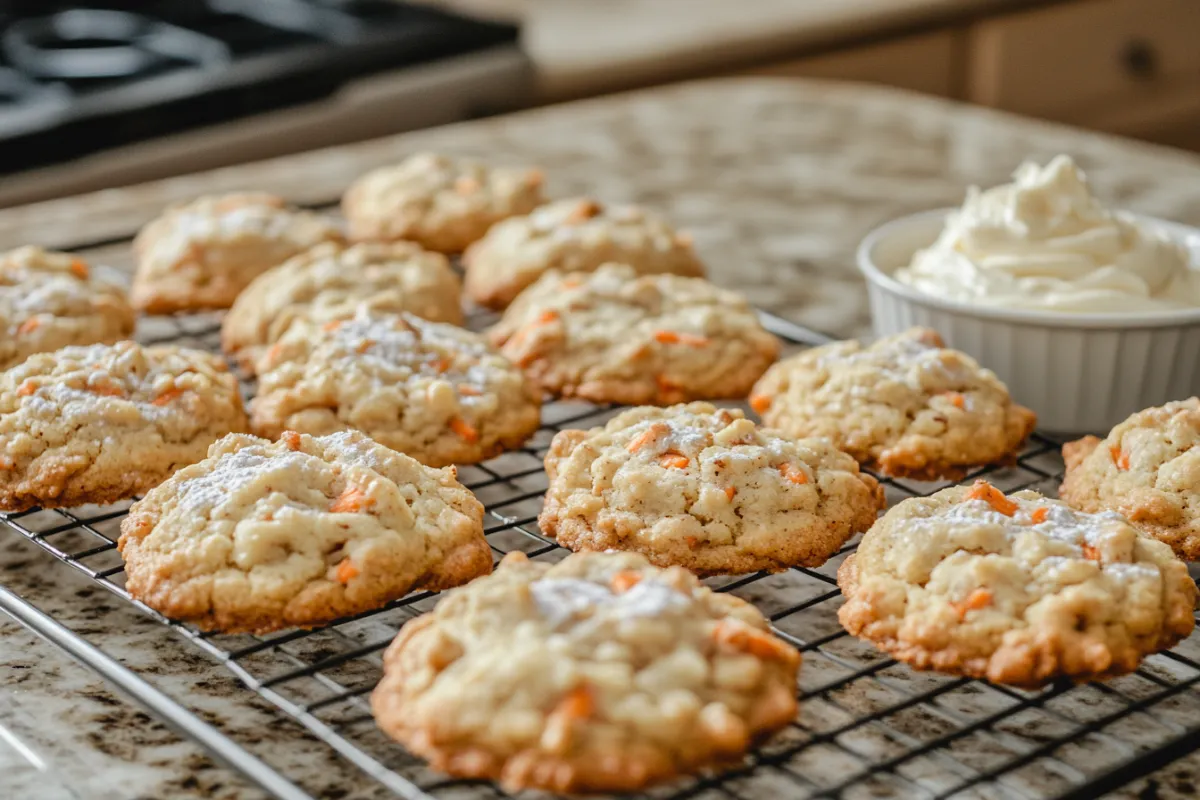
(778, 181)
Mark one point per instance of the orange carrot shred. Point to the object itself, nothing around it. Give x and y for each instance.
(107, 391)
(364, 346)
(625, 580)
(332, 325)
(346, 571)
(730, 492)
(674, 337)
(468, 390)
(467, 185)
(441, 365)
(576, 704)
(742, 637)
(982, 490)
(546, 317)
(291, 439)
(584, 211)
(464, 429)
(646, 437)
(274, 351)
(792, 474)
(79, 269)
(29, 325)
(167, 396)
(1119, 457)
(673, 461)
(977, 599)
(760, 402)
(1039, 515)
(956, 399)
(1090, 553)
(27, 388)
(351, 500)
(692, 541)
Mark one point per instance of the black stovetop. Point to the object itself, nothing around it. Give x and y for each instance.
(76, 78)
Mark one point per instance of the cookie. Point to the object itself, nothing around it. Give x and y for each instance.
(442, 203)
(296, 533)
(576, 235)
(704, 488)
(203, 254)
(614, 336)
(905, 405)
(439, 393)
(50, 300)
(101, 423)
(322, 283)
(1148, 468)
(599, 673)
(1016, 589)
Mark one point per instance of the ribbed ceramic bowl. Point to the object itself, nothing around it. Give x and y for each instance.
(1079, 372)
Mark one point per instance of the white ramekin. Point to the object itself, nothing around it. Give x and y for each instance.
(1079, 372)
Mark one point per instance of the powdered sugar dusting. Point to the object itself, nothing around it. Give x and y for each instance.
(563, 600)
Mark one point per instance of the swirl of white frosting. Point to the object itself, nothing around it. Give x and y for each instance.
(1045, 242)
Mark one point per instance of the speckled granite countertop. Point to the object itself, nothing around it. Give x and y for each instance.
(778, 181)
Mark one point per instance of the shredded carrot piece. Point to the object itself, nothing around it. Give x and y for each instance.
(584, 211)
(346, 571)
(107, 391)
(792, 474)
(1039, 515)
(364, 346)
(576, 704)
(673, 460)
(760, 402)
(291, 439)
(167, 396)
(570, 283)
(980, 598)
(667, 385)
(674, 337)
(742, 637)
(79, 269)
(1119, 457)
(467, 185)
(956, 399)
(274, 351)
(982, 490)
(546, 317)
(464, 429)
(468, 390)
(332, 325)
(27, 388)
(29, 325)
(441, 365)
(625, 580)
(351, 500)
(730, 492)
(692, 541)
(646, 437)
(1090, 553)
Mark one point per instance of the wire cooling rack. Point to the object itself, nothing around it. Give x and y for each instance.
(868, 726)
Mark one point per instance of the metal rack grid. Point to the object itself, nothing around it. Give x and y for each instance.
(868, 726)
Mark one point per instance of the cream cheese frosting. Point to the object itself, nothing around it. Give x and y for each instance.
(1045, 242)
